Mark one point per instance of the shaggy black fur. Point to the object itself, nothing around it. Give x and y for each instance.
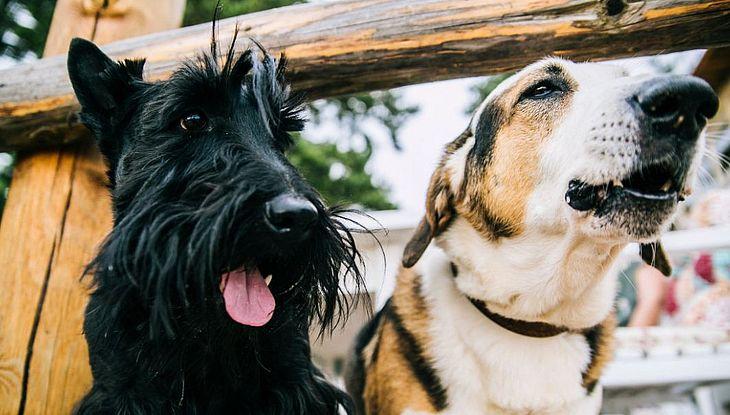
(189, 206)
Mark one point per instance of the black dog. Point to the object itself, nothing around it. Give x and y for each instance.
(185, 317)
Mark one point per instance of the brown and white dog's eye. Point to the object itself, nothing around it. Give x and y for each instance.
(194, 121)
(542, 90)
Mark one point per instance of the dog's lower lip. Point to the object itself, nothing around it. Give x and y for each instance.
(664, 192)
(584, 197)
(652, 181)
(662, 196)
(581, 196)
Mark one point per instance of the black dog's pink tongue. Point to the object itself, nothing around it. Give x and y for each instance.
(248, 299)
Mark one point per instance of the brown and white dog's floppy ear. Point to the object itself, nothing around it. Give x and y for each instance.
(439, 212)
(654, 255)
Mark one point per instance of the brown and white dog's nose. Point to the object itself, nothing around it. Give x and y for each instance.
(291, 215)
(677, 104)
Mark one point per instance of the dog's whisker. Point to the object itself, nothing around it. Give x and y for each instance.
(706, 177)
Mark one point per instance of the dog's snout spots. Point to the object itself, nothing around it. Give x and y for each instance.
(290, 215)
(613, 142)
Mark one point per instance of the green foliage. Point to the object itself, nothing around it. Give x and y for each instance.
(352, 111)
(200, 11)
(481, 90)
(339, 175)
(23, 29)
(24, 26)
(6, 172)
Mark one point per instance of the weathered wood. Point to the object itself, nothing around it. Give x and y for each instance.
(56, 214)
(360, 45)
(715, 68)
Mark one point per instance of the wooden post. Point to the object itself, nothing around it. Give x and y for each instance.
(715, 68)
(56, 214)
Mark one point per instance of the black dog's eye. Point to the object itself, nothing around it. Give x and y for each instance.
(541, 90)
(195, 121)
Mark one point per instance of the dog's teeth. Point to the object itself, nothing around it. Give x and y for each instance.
(667, 185)
(617, 183)
(679, 121)
(268, 279)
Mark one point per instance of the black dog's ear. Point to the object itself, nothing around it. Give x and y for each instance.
(439, 212)
(654, 255)
(100, 83)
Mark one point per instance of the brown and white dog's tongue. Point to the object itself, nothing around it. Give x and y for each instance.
(248, 299)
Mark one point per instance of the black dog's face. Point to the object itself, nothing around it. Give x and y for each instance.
(209, 214)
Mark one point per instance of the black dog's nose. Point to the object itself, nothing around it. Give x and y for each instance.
(678, 103)
(290, 214)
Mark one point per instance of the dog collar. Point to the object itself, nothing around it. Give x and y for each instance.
(526, 328)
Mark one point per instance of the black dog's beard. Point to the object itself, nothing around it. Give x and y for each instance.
(188, 225)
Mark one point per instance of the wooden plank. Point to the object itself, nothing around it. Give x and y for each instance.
(28, 235)
(715, 67)
(56, 214)
(59, 370)
(360, 45)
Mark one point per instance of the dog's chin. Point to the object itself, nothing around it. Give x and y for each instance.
(634, 208)
(635, 219)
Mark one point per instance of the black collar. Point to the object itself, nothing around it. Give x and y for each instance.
(526, 328)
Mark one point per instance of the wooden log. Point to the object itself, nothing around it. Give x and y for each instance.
(56, 214)
(715, 68)
(360, 45)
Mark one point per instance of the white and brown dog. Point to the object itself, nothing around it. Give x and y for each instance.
(511, 312)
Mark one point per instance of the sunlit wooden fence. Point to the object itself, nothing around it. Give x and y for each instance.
(58, 210)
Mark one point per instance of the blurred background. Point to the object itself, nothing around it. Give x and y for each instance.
(376, 151)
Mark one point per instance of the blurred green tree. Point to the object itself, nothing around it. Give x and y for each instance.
(337, 167)
(23, 31)
(200, 11)
(24, 27)
(6, 172)
(482, 89)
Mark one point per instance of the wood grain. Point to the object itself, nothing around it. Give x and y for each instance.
(56, 214)
(715, 68)
(360, 45)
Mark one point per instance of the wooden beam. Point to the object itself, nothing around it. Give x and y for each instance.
(56, 214)
(361, 45)
(715, 67)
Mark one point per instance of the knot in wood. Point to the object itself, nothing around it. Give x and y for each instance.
(614, 7)
(105, 7)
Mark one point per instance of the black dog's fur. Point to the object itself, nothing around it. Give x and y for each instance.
(187, 208)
